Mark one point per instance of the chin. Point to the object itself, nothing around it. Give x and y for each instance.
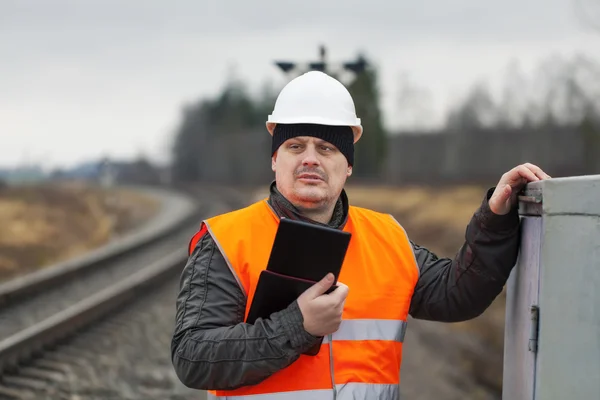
(311, 194)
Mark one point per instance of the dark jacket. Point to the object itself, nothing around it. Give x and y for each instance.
(212, 348)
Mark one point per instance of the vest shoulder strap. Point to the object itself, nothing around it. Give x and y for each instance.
(230, 220)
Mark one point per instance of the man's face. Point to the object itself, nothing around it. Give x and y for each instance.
(310, 172)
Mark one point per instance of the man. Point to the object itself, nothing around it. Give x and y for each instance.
(385, 276)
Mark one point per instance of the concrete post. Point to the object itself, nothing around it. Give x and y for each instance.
(552, 333)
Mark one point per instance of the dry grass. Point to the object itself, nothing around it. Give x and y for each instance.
(44, 224)
(426, 213)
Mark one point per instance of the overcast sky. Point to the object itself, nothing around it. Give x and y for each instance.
(80, 79)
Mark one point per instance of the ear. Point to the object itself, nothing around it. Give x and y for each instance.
(273, 161)
(349, 172)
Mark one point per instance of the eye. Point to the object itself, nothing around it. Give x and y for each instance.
(326, 148)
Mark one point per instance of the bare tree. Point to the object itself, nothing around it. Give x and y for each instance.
(476, 112)
(415, 106)
(515, 98)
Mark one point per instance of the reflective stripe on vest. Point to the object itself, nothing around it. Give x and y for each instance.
(362, 358)
(370, 329)
(347, 391)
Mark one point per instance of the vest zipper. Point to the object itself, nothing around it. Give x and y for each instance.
(330, 336)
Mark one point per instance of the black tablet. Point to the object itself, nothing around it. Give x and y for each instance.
(308, 251)
(274, 292)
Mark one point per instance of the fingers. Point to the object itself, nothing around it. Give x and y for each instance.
(338, 296)
(537, 171)
(526, 173)
(342, 290)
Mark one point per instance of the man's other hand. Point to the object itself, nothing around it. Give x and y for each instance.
(510, 184)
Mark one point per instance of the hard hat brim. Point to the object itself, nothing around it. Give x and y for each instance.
(357, 130)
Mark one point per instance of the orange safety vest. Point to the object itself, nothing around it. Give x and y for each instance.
(362, 359)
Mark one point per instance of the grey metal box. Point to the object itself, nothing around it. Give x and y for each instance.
(552, 332)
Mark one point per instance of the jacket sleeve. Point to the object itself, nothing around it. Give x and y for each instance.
(459, 289)
(212, 348)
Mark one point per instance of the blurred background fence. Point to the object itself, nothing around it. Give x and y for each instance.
(433, 158)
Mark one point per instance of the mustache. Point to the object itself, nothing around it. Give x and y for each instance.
(307, 170)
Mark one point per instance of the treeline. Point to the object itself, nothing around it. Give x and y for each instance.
(224, 138)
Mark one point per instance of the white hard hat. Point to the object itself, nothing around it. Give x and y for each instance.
(315, 98)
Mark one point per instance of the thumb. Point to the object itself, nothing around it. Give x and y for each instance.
(499, 203)
(320, 287)
(506, 192)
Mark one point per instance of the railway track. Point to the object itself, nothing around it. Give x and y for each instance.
(41, 312)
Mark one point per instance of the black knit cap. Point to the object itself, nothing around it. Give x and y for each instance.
(341, 137)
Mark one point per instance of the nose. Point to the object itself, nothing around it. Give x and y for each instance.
(310, 157)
